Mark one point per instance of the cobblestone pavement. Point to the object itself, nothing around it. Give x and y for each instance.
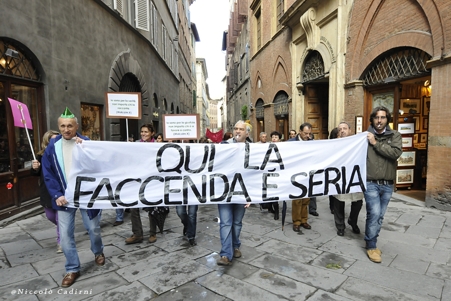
(314, 264)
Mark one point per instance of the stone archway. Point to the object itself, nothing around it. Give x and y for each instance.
(126, 76)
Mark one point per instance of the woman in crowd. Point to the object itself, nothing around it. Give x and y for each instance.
(45, 199)
(159, 137)
(157, 215)
(274, 206)
(227, 136)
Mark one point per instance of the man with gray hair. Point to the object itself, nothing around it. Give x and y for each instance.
(344, 130)
(263, 137)
(56, 164)
(231, 215)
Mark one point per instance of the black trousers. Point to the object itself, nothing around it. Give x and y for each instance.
(339, 213)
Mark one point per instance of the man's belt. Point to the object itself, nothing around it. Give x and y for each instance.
(382, 182)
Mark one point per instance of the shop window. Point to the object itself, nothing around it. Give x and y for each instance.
(91, 121)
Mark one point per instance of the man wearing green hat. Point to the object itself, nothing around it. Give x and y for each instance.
(56, 164)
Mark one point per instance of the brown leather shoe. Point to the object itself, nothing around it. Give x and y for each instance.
(296, 228)
(152, 239)
(306, 226)
(100, 259)
(69, 279)
(117, 223)
(133, 239)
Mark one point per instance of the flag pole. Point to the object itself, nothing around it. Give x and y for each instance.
(26, 130)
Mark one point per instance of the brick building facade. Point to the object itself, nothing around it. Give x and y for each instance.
(409, 42)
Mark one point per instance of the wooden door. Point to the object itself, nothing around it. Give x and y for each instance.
(316, 109)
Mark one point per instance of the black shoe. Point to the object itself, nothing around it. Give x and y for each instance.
(314, 213)
(332, 211)
(184, 231)
(276, 215)
(355, 228)
(341, 232)
(192, 242)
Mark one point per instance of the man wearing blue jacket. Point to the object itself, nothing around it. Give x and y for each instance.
(56, 164)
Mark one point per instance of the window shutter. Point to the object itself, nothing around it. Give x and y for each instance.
(142, 14)
(118, 6)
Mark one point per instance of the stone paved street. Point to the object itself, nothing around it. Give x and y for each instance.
(314, 264)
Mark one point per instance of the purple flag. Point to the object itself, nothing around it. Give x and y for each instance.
(20, 114)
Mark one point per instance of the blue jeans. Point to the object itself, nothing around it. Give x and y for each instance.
(377, 198)
(66, 221)
(188, 216)
(231, 217)
(120, 215)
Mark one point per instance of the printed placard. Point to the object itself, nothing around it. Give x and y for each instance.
(123, 105)
(181, 126)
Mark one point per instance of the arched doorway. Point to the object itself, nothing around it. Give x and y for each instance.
(316, 95)
(399, 80)
(260, 116)
(281, 113)
(20, 79)
(130, 83)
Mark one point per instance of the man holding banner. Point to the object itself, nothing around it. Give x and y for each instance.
(344, 130)
(384, 149)
(299, 208)
(231, 215)
(56, 165)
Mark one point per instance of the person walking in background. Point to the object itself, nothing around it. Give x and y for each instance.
(312, 204)
(227, 136)
(299, 208)
(344, 130)
(188, 217)
(56, 165)
(157, 215)
(274, 206)
(333, 135)
(231, 215)
(159, 138)
(384, 149)
(263, 137)
(45, 200)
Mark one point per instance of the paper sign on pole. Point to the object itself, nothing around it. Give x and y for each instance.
(123, 105)
(181, 126)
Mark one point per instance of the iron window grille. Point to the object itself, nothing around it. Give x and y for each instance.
(397, 65)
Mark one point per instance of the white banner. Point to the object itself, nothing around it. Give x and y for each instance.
(108, 175)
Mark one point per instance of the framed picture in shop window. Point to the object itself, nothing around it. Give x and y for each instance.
(424, 138)
(425, 123)
(410, 105)
(404, 176)
(426, 105)
(406, 128)
(417, 120)
(407, 142)
(407, 159)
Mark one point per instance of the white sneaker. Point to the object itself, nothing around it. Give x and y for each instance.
(59, 249)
